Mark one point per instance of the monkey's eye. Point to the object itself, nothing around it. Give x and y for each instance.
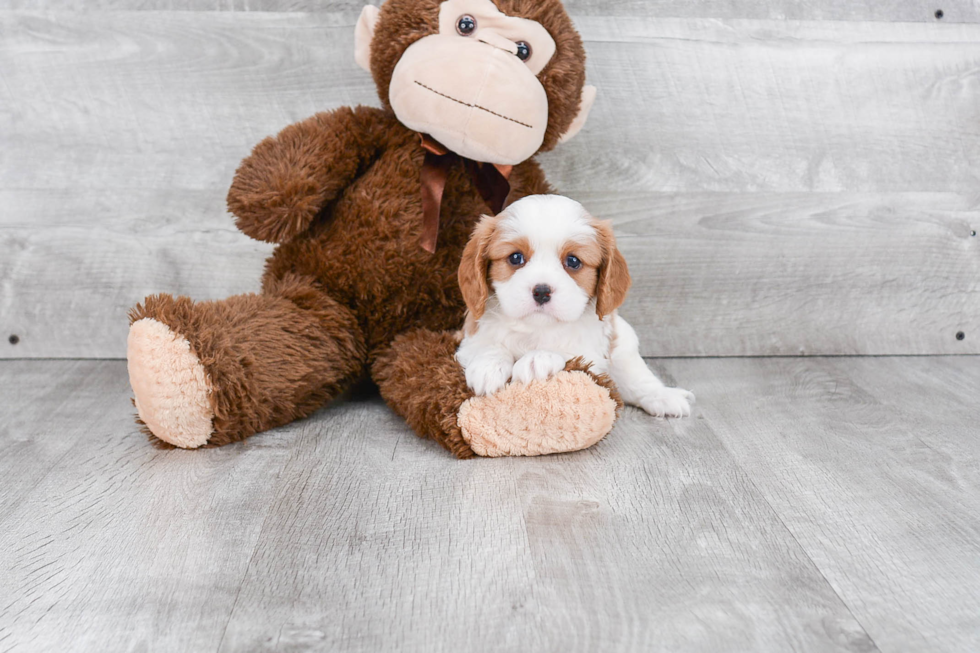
(516, 259)
(523, 50)
(466, 25)
(572, 262)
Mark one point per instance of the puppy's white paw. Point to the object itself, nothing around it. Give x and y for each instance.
(484, 377)
(667, 402)
(538, 365)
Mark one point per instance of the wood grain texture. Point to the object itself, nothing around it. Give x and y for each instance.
(714, 273)
(955, 11)
(171, 101)
(174, 100)
(720, 274)
(118, 546)
(873, 465)
(767, 106)
(71, 393)
(344, 532)
(640, 545)
(75, 262)
(120, 132)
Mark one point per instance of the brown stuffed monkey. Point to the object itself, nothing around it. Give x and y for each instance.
(370, 210)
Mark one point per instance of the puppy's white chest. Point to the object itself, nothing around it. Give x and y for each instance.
(588, 338)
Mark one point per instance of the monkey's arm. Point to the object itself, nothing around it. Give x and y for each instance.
(287, 179)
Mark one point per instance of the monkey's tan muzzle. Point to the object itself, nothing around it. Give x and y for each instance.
(478, 100)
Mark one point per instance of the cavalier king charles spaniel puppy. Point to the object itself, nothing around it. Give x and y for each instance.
(542, 282)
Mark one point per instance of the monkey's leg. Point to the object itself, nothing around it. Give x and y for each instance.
(211, 373)
(421, 381)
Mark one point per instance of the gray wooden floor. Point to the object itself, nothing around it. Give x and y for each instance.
(810, 504)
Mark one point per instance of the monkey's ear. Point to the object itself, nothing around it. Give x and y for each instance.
(364, 34)
(588, 99)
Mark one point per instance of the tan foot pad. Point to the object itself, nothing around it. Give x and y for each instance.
(170, 385)
(567, 412)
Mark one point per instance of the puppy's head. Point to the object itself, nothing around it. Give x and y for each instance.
(543, 256)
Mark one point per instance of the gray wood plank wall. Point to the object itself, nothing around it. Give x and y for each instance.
(956, 11)
(786, 177)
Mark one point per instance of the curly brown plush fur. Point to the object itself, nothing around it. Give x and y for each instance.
(430, 407)
(248, 346)
(348, 286)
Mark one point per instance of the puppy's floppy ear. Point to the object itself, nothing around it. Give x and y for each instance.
(474, 267)
(614, 274)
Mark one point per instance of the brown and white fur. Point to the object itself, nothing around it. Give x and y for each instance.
(542, 282)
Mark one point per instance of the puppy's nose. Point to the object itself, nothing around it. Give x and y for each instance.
(542, 294)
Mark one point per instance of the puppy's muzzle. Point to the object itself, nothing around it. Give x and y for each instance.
(542, 294)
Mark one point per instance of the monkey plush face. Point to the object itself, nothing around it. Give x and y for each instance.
(490, 84)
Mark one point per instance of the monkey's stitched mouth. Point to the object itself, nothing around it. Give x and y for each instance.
(473, 106)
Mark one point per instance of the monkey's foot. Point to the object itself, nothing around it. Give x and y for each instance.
(169, 383)
(570, 411)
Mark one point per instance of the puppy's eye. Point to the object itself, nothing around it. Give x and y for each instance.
(516, 259)
(572, 262)
(466, 25)
(523, 50)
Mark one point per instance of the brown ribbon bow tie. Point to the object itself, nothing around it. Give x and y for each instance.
(490, 181)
